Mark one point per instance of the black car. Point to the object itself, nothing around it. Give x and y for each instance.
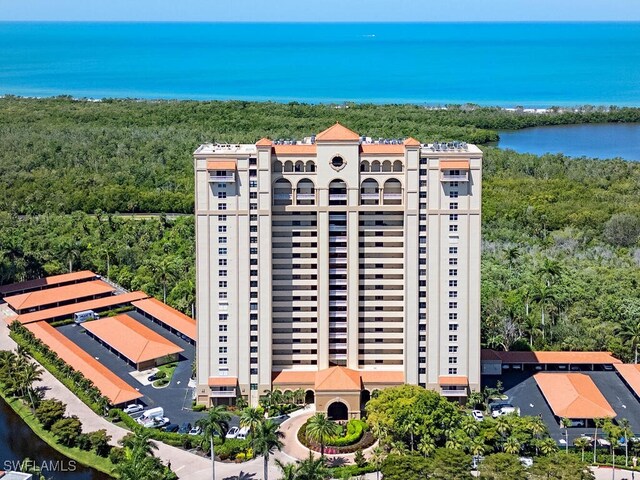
(153, 377)
(498, 405)
(172, 427)
(184, 428)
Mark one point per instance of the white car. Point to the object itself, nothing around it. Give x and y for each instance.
(232, 433)
(526, 461)
(602, 442)
(195, 431)
(478, 415)
(133, 408)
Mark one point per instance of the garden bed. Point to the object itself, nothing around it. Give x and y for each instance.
(356, 436)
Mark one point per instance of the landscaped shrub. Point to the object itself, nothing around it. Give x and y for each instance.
(170, 438)
(199, 407)
(351, 471)
(116, 455)
(49, 412)
(357, 437)
(67, 430)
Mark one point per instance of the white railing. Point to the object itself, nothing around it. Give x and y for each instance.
(392, 196)
(306, 196)
(370, 196)
(338, 303)
(282, 196)
(222, 178)
(223, 393)
(338, 249)
(453, 393)
(463, 177)
(337, 196)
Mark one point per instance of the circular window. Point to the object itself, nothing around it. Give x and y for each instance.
(337, 162)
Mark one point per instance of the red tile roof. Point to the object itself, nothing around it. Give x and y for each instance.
(630, 374)
(69, 310)
(453, 380)
(381, 149)
(454, 164)
(574, 358)
(264, 142)
(382, 376)
(337, 133)
(47, 282)
(573, 395)
(302, 149)
(223, 381)
(66, 293)
(170, 316)
(412, 142)
(109, 384)
(222, 164)
(292, 376)
(132, 339)
(337, 379)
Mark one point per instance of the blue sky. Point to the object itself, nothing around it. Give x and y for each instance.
(321, 10)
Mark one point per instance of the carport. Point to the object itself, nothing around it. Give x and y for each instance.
(494, 362)
(574, 396)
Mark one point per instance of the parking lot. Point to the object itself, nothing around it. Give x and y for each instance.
(524, 393)
(176, 398)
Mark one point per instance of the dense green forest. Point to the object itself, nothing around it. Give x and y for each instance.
(560, 236)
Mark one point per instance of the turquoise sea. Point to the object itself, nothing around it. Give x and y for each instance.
(506, 64)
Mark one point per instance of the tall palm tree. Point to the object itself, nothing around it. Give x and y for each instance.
(266, 441)
(377, 459)
(582, 443)
(320, 429)
(625, 427)
(409, 426)
(512, 446)
(630, 331)
(313, 469)
(547, 446)
(537, 428)
(550, 270)
(478, 447)
(599, 423)
(251, 417)
(215, 424)
(566, 423)
(544, 295)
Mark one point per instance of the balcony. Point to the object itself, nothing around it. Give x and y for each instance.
(337, 281)
(306, 196)
(337, 228)
(222, 178)
(392, 196)
(337, 303)
(337, 334)
(461, 177)
(337, 249)
(282, 196)
(223, 393)
(370, 196)
(453, 393)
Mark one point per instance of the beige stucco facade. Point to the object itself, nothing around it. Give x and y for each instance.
(339, 250)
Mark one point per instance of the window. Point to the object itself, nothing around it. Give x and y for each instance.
(254, 360)
(453, 316)
(254, 349)
(223, 317)
(222, 218)
(222, 185)
(222, 328)
(422, 359)
(453, 359)
(253, 195)
(422, 349)
(222, 284)
(253, 229)
(222, 251)
(222, 339)
(453, 327)
(453, 273)
(453, 217)
(453, 338)
(453, 228)
(253, 206)
(254, 386)
(453, 250)
(253, 317)
(422, 370)
(253, 184)
(453, 283)
(222, 273)
(222, 229)
(453, 304)
(423, 194)
(253, 273)
(453, 349)
(253, 218)
(453, 194)
(253, 338)
(253, 284)
(253, 240)
(253, 251)
(422, 338)
(224, 349)
(253, 306)
(222, 295)
(453, 294)
(222, 194)
(423, 183)
(453, 206)
(253, 371)
(223, 361)
(222, 262)
(453, 261)
(453, 371)
(222, 239)
(222, 206)
(454, 184)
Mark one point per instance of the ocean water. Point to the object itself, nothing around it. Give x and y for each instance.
(506, 64)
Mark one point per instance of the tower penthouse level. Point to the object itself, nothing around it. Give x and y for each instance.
(340, 265)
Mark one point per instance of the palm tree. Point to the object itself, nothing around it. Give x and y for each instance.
(165, 271)
(478, 447)
(320, 429)
(630, 331)
(28, 374)
(550, 270)
(512, 446)
(215, 424)
(537, 428)
(251, 417)
(544, 295)
(566, 423)
(266, 441)
(581, 443)
(409, 426)
(312, 469)
(598, 422)
(547, 446)
(426, 446)
(625, 426)
(289, 470)
(377, 459)
(613, 435)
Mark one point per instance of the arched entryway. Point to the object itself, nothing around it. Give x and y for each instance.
(338, 411)
(309, 397)
(365, 396)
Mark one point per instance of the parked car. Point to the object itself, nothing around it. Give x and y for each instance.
(195, 431)
(279, 419)
(587, 438)
(478, 415)
(243, 433)
(133, 408)
(526, 461)
(185, 428)
(608, 368)
(603, 442)
(506, 410)
(577, 423)
(160, 422)
(153, 377)
(232, 433)
(172, 427)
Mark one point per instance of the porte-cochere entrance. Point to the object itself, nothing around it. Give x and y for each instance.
(338, 411)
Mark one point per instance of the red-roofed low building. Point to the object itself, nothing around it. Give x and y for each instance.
(496, 362)
(176, 322)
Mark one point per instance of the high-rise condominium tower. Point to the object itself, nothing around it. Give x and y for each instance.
(337, 265)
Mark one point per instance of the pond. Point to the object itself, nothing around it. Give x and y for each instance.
(18, 442)
(601, 140)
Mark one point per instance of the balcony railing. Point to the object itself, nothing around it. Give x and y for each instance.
(223, 393)
(282, 196)
(222, 178)
(370, 196)
(337, 334)
(453, 393)
(462, 177)
(338, 249)
(306, 196)
(338, 303)
(392, 196)
(337, 196)
(337, 281)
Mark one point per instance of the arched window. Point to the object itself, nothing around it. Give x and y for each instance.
(386, 166)
(375, 166)
(288, 166)
(369, 192)
(397, 166)
(337, 193)
(364, 166)
(277, 166)
(282, 192)
(392, 192)
(305, 192)
(310, 166)
(299, 167)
